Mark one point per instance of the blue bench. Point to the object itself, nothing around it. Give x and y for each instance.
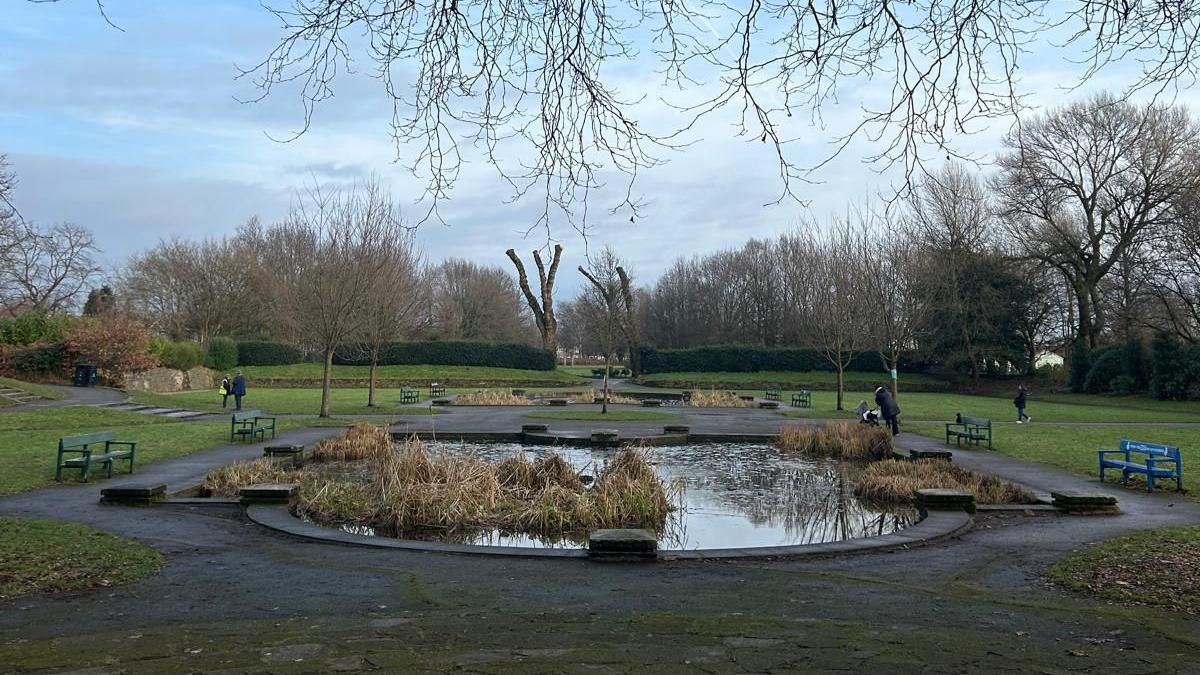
(1154, 456)
(970, 429)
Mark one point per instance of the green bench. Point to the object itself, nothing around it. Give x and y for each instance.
(970, 429)
(437, 390)
(409, 395)
(89, 454)
(249, 424)
(773, 394)
(802, 399)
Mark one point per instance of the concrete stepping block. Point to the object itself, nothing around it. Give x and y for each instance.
(535, 428)
(605, 435)
(440, 402)
(557, 402)
(651, 402)
(677, 429)
(1084, 502)
(134, 494)
(931, 454)
(268, 493)
(287, 450)
(622, 544)
(938, 499)
(769, 405)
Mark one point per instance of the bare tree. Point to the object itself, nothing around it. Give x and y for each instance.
(48, 269)
(890, 281)
(839, 301)
(325, 259)
(1082, 186)
(606, 285)
(476, 302)
(536, 80)
(543, 311)
(198, 289)
(394, 298)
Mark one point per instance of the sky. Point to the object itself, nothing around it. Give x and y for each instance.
(139, 135)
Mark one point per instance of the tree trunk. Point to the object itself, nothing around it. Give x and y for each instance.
(371, 379)
(604, 403)
(841, 384)
(325, 378)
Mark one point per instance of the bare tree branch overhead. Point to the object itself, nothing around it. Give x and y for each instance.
(541, 86)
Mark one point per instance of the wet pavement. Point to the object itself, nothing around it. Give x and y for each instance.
(235, 597)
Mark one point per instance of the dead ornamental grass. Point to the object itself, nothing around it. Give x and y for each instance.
(614, 398)
(838, 440)
(411, 488)
(717, 399)
(896, 481)
(486, 397)
(227, 481)
(358, 443)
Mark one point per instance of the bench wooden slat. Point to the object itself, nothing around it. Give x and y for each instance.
(86, 439)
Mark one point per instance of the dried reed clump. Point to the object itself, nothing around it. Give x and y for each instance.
(490, 398)
(357, 443)
(228, 480)
(411, 488)
(613, 397)
(896, 482)
(717, 399)
(839, 440)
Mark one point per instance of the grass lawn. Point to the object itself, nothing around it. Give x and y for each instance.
(29, 440)
(1158, 567)
(38, 556)
(29, 388)
(416, 375)
(1074, 447)
(289, 401)
(597, 416)
(921, 406)
(791, 380)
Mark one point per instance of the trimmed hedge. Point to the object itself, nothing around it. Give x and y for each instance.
(179, 355)
(743, 359)
(222, 354)
(450, 353)
(263, 353)
(40, 360)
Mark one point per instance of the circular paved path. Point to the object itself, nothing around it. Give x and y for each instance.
(236, 598)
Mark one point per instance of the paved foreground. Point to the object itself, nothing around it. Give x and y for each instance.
(236, 598)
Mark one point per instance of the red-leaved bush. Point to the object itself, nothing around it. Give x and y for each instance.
(116, 343)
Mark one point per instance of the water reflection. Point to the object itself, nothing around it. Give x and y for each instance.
(731, 496)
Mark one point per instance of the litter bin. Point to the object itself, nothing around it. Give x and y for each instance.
(85, 375)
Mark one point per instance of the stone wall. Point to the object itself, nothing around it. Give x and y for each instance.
(166, 380)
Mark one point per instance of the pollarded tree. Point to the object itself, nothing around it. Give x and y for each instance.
(1084, 185)
(543, 309)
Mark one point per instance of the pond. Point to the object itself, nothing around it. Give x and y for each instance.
(731, 495)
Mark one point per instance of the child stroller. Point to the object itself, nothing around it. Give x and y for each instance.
(866, 415)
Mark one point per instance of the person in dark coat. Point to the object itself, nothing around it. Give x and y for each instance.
(1019, 401)
(226, 391)
(888, 409)
(239, 390)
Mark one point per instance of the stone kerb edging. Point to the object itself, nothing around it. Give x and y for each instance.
(937, 525)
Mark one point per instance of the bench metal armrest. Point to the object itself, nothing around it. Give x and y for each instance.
(1152, 460)
(83, 451)
(128, 444)
(1110, 452)
(258, 419)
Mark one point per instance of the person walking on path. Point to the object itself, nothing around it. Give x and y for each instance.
(1019, 401)
(888, 409)
(225, 390)
(239, 390)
